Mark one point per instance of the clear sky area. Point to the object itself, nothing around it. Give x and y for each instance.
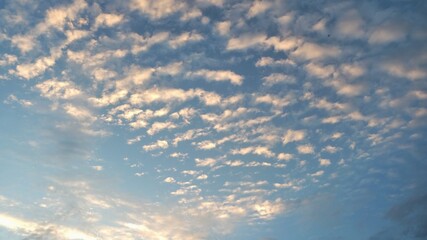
(213, 119)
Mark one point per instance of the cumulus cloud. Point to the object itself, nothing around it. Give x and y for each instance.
(276, 78)
(157, 9)
(160, 144)
(305, 149)
(293, 136)
(218, 75)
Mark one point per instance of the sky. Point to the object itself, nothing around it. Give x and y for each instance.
(213, 119)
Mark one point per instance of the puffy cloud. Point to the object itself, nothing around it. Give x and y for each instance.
(223, 28)
(314, 51)
(80, 113)
(285, 156)
(169, 180)
(160, 144)
(159, 126)
(207, 162)
(108, 19)
(218, 75)
(324, 162)
(350, 24)
(318, 173)
(257, 150)
(305, 149)
(388, 32)
(331, 149)
(143, 43)
(276, 78)
(293, 136)
(31, 70)
(206, 145)
(245, 41)
(8, 59)
(258, 7)
(202, 177)
(185, 38)
(268, 61)
(158, 9)
(54, 89)
(269, 209)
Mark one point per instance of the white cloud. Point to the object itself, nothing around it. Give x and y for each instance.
(285, 156)
(258, 7)
(202, 177)
(343, 88)
(276, 101)
(54, 89)
(268, 61)
(80, 113)
(318, 173)
(108, 19)
(293, 136)
(314, 51)
(324, 162)
(245, 41)
(184, 38)
(399, 69)
(97, 168)
(169, 180)
(143, 43)
(159, 126)
(158, 9)
(350, 25)
(320, 71)
(305, 149)
(191, 14)
(31, 70)
(206, 145)
(160, 144)
(330, 149)
(207, 162)
(257, 150)
(276, 78)
(218, 75)
(223, 28)
(388, 32)
(269, 209)
(8, 59)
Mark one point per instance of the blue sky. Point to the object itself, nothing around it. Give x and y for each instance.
(213, 119)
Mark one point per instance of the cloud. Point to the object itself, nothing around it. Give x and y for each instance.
(314, 51)
(318, 173)
(350, 24)
(207, 162)
(54, 89)
(285, 156)
(276, 78)
(268, 61)
(160, 144)
(257, 150)
(324, 162)
(305, 149)
(223, 28)
(108, 19)
(169, 180)
(245, 41)
(157, 9)
(184, 38)
(293, 136)
(37, 68)
(218, 75)
(258, 7)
